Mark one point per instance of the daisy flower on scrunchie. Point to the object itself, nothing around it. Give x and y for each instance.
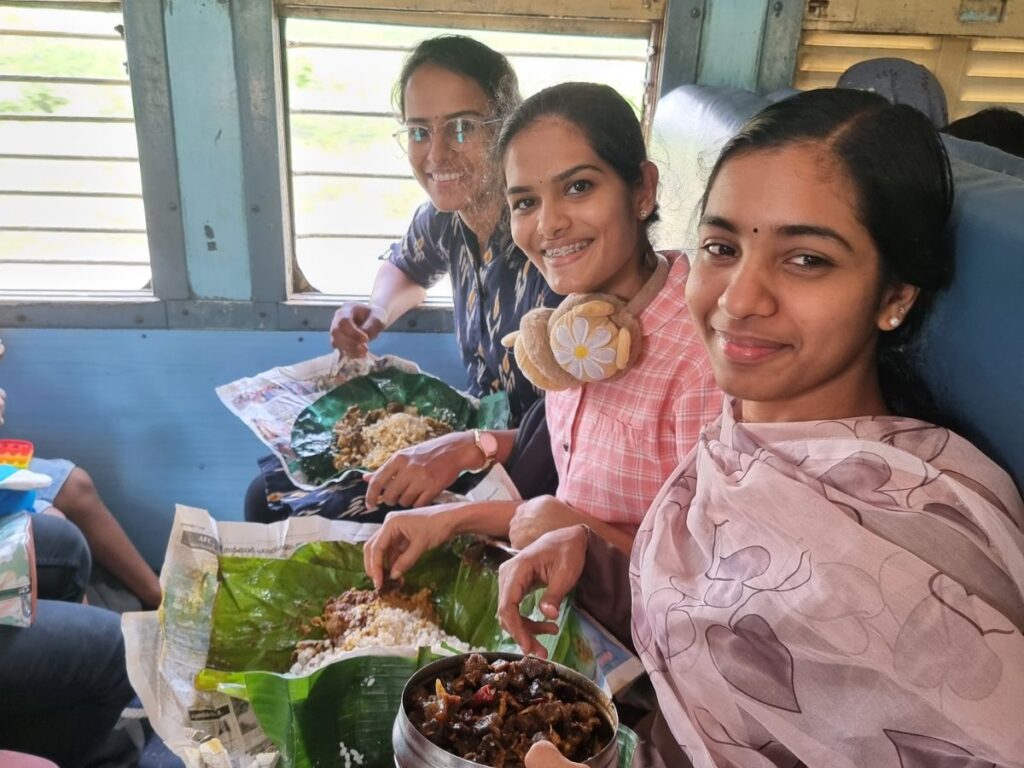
(582, 352)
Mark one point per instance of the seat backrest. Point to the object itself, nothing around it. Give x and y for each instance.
(973, 354)
(901, 82)
(972, 348)
(984, 156)
(691, 125)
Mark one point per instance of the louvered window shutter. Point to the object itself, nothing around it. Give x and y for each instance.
(974, 72)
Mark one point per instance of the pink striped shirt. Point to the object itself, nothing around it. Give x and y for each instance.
(615, 443)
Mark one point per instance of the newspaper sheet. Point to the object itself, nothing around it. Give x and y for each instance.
(269, 402)
(17, 571)
(166, 649)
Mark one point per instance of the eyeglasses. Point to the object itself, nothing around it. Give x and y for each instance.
(457, 133)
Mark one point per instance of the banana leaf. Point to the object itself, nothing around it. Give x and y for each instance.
(313, 431)
(259, 614)
(352, 702)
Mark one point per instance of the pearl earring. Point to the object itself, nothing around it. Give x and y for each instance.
(894, 321)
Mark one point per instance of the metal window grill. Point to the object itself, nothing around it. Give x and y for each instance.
(974, 72)
(71, 213)
(353, 193)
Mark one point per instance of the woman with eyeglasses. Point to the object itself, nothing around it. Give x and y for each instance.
(451, 96)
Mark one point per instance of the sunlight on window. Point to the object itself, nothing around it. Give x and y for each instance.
(352, 191)
(71, 214)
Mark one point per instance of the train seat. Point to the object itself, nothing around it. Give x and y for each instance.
(984, 156)
(691, 125)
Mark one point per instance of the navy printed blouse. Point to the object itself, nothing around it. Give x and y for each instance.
(491, 291)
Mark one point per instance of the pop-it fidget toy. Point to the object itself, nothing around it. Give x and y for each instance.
(16, 452)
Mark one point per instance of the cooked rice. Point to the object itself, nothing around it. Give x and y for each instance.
(368, 440)
(373, 621)
(395, 432)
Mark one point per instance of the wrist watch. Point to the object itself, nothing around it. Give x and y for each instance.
(488, 445)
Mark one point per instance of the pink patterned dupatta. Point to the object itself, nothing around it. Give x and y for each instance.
(842, 594)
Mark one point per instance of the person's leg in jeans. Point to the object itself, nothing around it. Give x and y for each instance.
(64, 678)
(64, 682)
(63, 562)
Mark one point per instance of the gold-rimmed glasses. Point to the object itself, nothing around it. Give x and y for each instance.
(458, 133)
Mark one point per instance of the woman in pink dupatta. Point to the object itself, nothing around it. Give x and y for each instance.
(830, 579)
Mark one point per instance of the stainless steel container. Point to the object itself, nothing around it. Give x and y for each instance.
(414, 750)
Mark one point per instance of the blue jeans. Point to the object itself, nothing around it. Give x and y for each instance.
(63, 679)
(63, 560)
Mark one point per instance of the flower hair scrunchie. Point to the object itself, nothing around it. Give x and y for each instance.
(589, 337)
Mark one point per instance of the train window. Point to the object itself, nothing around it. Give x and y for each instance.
(975, 72)
(352, 191)
(71, 213)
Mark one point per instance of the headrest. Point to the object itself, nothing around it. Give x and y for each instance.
(901, 82)
(691, 125)
(984, 156)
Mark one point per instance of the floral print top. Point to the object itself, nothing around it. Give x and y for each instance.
(492, 288)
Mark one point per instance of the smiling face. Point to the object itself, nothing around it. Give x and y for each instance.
(573, 215)
(787, 288)
(454, 179)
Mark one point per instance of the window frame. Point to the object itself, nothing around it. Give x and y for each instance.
(595, 18)
(143, 23)
(257, 39)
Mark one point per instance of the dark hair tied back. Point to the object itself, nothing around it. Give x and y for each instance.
(470, 58)
(898, 166)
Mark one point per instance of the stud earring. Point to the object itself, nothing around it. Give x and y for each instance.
(894, 321)
(643, 214)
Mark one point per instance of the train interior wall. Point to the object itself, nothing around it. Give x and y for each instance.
(138, 411)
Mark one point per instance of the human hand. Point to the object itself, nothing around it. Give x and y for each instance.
(539, 515)
(403, 537)
(544, 754)
(414, 476)
(555, 560)
(355, 325)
